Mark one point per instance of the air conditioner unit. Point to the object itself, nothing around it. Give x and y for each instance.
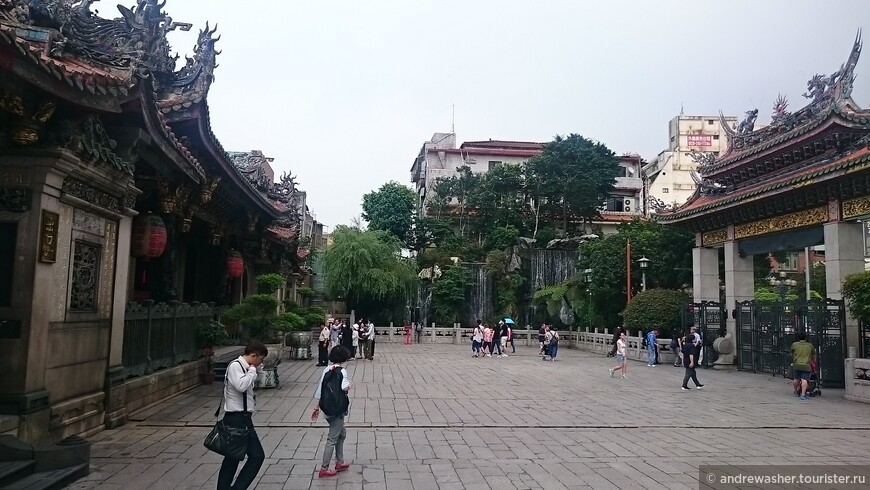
(628, 202)
(627, 209)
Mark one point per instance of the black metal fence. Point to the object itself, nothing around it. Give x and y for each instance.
(766, 331)
(864, 340)
(161, 335)
(709, 319)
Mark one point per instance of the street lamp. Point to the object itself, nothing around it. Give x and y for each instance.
(644, 264)
(587, 276)
(782, 284)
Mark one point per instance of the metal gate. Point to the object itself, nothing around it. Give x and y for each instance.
(864, 340)
(709, 319)
(765, 332)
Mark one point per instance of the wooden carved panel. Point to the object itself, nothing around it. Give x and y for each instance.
(791, 221)
(714, 237)
(856, 207)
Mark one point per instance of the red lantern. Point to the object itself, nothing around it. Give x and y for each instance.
(235, 265)
(149, 236)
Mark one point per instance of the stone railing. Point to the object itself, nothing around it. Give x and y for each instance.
(857, 380)
(161, 335)
(595, 340)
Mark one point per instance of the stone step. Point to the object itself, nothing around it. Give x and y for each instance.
(11, 471)
(49, 480)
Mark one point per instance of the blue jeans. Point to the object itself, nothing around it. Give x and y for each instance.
(650, 354)
(554, 349)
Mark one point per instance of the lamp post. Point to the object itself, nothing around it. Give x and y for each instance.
(587, 276)
(644, 264)
(782, 284)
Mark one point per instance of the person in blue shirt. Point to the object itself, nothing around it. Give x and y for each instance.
(651, 347)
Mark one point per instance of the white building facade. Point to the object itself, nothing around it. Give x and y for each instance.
(669, 175)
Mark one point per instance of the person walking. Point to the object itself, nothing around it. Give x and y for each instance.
(356, 350)
(621, 365)
(238, 407)
(511, 338)
(346, 337)
(651, 347)
(371, 327)
(323, 345)
(331, 398)
(554, 344)
(505, 333)
(496, 338)
(542, 333)
(418, 332)
(690, 354)
(546, 343)
(363, 340)
(677, 348)
(802, 354)
(487, 341)
(477, 340)
(334, 331)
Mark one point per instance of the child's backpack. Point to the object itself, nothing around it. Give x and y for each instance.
(333, 400)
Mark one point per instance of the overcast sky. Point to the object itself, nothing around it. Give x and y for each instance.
(344, 93)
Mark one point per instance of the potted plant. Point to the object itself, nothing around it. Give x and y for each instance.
(209, 334)
(257, 313)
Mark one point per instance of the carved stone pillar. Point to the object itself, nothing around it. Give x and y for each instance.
(116, 399)
(844, 255)
(705, 274)
(739, 285)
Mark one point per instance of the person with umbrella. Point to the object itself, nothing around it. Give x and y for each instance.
(509, 333)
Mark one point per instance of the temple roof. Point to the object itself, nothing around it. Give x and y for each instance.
(828, 135)
(125, 63)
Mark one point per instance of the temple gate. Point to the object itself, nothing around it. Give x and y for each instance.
(801, 181)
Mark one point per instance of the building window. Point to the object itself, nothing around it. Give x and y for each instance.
(83, 293)
(710, 122)
(672, 139)
(715, 137)
(790, 263)
(664, 190)
(7, 261)
(493, 164)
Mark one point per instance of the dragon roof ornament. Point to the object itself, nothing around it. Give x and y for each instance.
(825, 93)
(132, 45)
(251, 165)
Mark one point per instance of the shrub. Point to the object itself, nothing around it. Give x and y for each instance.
(211, 333)
(856, 291)
(660, 308)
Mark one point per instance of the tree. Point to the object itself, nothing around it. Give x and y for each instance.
(391, 209)
(656, 308)
(365, 269)
(459, 187)
(448, 292)
(507, 283)
(571, 178)
(668, 247)
(856, 291)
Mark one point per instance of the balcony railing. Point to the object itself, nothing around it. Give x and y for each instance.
(161, 335)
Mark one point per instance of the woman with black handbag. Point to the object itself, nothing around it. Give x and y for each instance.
(238, 409)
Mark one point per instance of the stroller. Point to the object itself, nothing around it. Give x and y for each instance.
(813, 388)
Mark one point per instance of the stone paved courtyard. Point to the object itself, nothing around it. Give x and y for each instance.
(432, 417)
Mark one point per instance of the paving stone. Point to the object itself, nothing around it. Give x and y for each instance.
(430, 417)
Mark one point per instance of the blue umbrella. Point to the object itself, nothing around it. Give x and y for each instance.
(508, 321)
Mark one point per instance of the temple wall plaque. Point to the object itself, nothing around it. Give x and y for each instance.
(714, 237)
(856, 207)
(48, 237)
(800, 219)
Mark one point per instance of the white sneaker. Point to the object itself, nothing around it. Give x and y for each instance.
(624, 377)
(489, 355)
(504, 355)
(684, 388)
(498, 356)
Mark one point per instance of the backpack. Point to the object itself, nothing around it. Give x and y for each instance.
(675, 343)
(333, 400)
(419, 327)
(555, 339)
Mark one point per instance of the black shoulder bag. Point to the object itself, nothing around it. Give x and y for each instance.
(226, 440)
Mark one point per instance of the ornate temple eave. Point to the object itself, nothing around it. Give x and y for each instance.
(836, 123)
(701, 206)
(165, 140)
(218, 156)
(89, 93)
